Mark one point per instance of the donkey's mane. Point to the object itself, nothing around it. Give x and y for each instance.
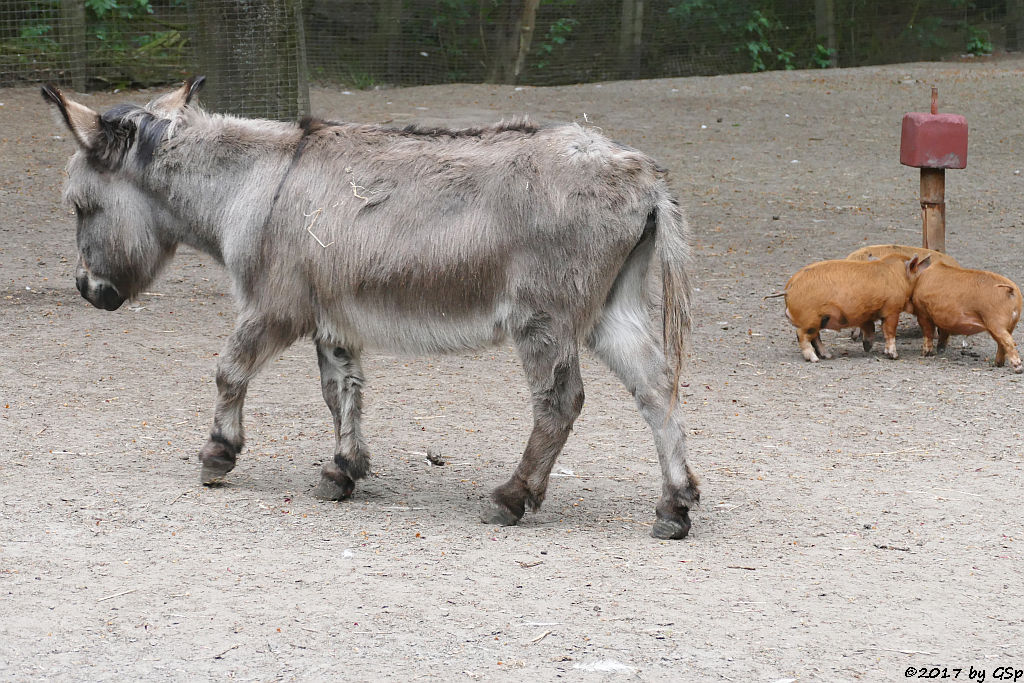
(130, 126)
(123, 127)
(517, 125)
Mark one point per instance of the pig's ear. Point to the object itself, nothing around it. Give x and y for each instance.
(915, 265)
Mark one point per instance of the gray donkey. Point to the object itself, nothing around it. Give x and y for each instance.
(404, 240)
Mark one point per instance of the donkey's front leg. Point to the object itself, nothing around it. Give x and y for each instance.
(341, 379)
(552, 367)
(252, 343)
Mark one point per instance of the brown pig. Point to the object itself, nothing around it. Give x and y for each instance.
(879, 251)
(964, 301)
(838, 294)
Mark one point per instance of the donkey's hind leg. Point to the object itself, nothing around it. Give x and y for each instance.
(252, 343)
(552, 365)
(341, 379)
(624, 343)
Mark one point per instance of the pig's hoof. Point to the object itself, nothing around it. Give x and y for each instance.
(892, 355)
(928, 352)
(826, 355)
(1018, 368)
(867, 344)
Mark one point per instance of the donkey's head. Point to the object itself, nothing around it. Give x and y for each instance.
(120, 245)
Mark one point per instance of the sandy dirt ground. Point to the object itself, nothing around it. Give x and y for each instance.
(860, 517)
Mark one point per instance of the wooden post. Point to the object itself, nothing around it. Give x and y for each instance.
(933, 199)
(933, 208)
(933, 142)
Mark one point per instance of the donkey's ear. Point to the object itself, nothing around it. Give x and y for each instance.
(173, 102)
(82, 121)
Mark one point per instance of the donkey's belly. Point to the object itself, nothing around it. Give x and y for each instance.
(415, 332)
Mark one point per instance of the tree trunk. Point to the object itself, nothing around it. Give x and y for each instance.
(72, 40)
(631, 34)
(253, 54)
(513, 34)
(1015, 25)
(527, 28)
(825, 26)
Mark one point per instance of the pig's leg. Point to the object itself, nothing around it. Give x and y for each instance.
(805, 339)
(943, 340)
(1007, 349)
(928, 330)
(867, 334)
(820, 347)
(889, 326)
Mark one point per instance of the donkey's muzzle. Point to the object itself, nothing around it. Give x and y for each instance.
(99, 294)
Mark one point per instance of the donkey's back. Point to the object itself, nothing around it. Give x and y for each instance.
(429, 240)
(422, 240)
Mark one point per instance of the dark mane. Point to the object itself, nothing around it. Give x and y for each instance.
(121, 128)
(515, 125)
(310, 125)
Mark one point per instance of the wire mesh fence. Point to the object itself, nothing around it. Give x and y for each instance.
(272, 46)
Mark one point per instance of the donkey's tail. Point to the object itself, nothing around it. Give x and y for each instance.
(672, 246)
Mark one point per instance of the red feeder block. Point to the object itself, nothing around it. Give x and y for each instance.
(933, 142)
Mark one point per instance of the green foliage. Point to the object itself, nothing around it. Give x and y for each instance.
(361, 80)
(751, 27)
(822, 57)
(924, 31)
(35, 36)
(978, 42)
(758, 29)
(556, 35)
(449, 32)
(114, 22)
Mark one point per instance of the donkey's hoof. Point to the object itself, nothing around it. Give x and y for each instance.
(334, 484)
(212, 474)
(507, 504)
(496, 513)
(672, 528)
(218, 459)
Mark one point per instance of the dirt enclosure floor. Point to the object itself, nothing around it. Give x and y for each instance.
(861, 517)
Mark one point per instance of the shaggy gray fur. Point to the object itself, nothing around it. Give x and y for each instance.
(418, 241)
